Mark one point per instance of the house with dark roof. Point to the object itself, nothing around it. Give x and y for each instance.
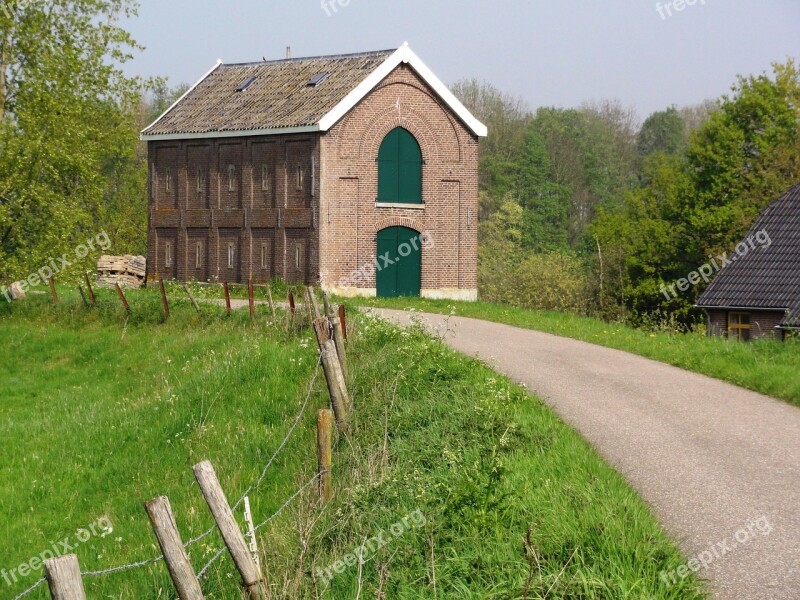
(358, 172)
(757, 293)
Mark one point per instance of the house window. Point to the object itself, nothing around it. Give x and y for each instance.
(231, 178)
(168, 254)
(739, 326)
(231, 255)
(400, 168)
(299, 177)
(201, 180)
(198, 255)
(298, 257)
(168, 180)
(264, 178)
(264, 256)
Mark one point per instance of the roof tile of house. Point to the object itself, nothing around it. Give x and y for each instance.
(769, 276)
(280, 96)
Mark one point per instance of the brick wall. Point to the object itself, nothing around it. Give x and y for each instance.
(763, 323)
(225, 209)
(300, 206)
(350, 218)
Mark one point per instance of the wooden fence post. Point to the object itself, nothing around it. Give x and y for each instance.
(164, 301)
(314, 302)
(252, 579)
(251, 300)
(227, 297)
(191, 298)
(307, 300)
(166, 530)
(271, 303)
(64, 578)
(340, 399)
(324, 453)
(89, 288)
(326, 300)
(83, 296)
(343, 320)
(291, 304)
(122, 297)
(338, 339)
(53, 293)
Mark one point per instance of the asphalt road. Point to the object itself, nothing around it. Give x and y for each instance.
(719, 465)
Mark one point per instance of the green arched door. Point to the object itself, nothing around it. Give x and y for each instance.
(399, 268)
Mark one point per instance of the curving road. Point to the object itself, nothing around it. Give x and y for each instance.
(719, 465)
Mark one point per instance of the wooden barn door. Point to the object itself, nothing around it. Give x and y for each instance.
(399, 271)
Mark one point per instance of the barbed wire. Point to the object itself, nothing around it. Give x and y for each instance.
(274, 515)
(211, 530)
(31, 589)
(129, 567)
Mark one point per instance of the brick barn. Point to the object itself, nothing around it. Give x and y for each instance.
(757, 293)
(358, 172)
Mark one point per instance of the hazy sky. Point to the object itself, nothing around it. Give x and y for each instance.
(553, 52)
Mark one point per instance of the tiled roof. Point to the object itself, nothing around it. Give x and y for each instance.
(767, 277)
(279, 97)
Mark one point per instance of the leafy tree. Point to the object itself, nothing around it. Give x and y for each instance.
(67, 121)
(663, 131)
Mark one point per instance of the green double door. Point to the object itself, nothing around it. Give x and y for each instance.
(399, 268)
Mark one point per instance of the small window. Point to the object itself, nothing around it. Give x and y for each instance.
(198, 255)
(739, 326)
(231, 255)
(168, 254)
(317, 79)
(264, 255)
(298, 257)
(201, 180)
(299, 177)
(264, 178)
(246, 84)
(168, 180)
(231, 178)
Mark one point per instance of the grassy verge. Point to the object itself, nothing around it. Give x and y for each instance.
(460, 484)
(765, 366)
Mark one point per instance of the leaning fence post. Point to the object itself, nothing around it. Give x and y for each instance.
(53, 292)
(343, 320)
(314, 302)
(191, 298)
(251, 300)
(252, 579)
(83, 296)
(291, 304)
(166, 530)
(227, 297)
(338, 338)
(324, 453)
(122, 297)
(164, 301)
(89, 288)
(271, 303)
(64, 578)
(337, 389)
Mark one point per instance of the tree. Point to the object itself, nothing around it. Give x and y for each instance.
(67, 121)
(663, 131)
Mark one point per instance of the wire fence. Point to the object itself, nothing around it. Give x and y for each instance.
(250, 489)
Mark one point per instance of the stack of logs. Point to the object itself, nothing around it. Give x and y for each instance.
(127, 271)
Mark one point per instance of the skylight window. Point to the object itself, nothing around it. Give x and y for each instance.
(246, 84)
(317, 79)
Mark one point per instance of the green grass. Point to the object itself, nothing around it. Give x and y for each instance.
(765, 366)
(103, 410)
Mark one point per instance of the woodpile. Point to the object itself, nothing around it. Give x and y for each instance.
(127, 271)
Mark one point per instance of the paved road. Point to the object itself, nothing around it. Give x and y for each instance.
(714, 461)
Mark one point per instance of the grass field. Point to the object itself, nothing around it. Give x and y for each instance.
(765, 366)
(475, 487)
